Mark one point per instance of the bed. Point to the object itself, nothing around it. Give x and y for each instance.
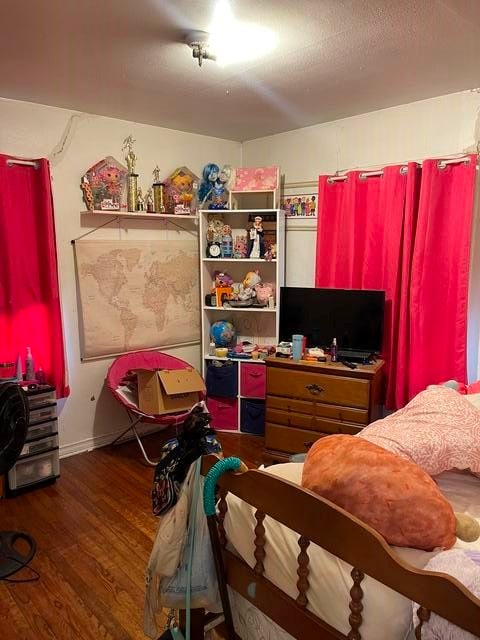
(354, 587)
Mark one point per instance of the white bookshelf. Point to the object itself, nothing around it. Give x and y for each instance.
(259, 325)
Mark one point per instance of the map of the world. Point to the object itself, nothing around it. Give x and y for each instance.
(137, 294)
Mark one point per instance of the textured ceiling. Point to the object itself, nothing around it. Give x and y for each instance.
(125, 58)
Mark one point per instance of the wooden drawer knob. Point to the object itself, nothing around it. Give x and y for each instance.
(314, 389)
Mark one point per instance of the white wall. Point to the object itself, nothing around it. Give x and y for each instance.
(430, 128)
(73, 142)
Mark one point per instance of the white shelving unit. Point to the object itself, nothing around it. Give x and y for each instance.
(259, 325)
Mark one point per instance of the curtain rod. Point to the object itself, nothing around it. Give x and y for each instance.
(441, 164)
(26, 163)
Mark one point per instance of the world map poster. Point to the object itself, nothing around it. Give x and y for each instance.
(137, 294)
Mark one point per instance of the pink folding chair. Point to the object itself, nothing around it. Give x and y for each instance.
(143, 360)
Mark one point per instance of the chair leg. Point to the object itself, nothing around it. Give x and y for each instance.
(142, 448)
(132, 424)
(132, 427)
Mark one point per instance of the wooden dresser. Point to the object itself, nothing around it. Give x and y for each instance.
(306, 401)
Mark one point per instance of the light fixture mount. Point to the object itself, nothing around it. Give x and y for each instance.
(198, 43)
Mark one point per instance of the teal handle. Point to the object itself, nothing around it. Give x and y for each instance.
(211, 479)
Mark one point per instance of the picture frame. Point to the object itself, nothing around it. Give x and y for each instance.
(300, 205)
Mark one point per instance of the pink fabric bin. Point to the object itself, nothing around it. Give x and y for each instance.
(253, 380)
(224, 412)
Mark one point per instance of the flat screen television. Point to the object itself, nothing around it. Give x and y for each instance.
(354, 317)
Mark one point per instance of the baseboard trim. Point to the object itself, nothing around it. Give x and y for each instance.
(89, 444)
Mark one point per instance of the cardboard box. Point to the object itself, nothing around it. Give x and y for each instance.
(168, 391)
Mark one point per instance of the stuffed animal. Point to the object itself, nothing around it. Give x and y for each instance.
(252, 279)
(222, 279)
(390, 494)
(264, 290)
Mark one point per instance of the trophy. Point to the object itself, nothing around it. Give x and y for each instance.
(132, 177)
(158, 192)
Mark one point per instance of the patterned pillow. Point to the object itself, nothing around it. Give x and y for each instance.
(390, 494)
(439, 430)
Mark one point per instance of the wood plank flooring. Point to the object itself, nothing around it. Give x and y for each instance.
(94, 530)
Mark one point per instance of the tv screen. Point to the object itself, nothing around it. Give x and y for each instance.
(352, 316)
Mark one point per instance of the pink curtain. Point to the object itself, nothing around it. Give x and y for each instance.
(382, 232)
(440, 274)
(29, 295)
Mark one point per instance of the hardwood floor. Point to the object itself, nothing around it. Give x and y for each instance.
(94, 530)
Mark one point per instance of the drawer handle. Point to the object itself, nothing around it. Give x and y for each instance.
(314, 389)
(308, 443)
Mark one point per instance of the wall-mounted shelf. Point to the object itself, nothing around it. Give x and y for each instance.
(243, 309)
(251, 210)
(139, 215)
(239, 260)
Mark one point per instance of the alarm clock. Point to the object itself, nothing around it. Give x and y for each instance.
(214, 250)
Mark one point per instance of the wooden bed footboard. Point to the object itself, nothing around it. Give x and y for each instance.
(345, 537)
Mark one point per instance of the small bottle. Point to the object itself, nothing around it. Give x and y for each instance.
(211, 348)
(40, 376)
(18, 369)
(333, 350)
(29, 367)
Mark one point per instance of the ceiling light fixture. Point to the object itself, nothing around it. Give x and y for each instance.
(198, 41)
(230, 41)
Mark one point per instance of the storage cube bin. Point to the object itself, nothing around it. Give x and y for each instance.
(40, 414)
(29, 471)
(252, 416)
(222, 382)
(224, 412)
(39, 446)
(42, 429)
(253, 380)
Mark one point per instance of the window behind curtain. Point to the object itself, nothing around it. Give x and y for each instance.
(29, 296)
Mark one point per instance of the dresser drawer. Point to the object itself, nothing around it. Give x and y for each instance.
(343, 414)
(306, 385)
(289, 439)
(313, 423)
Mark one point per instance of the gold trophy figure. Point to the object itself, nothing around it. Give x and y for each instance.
(158, 192)
(131, 160)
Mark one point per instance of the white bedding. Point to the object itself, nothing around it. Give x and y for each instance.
(329, 577)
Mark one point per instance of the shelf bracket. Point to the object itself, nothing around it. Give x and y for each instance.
(87, 233)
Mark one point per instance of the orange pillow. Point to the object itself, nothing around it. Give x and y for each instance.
(390, 494)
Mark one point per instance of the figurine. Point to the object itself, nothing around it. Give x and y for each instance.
(210, 175)
(227, 242)
(140, 206)
(149, 201)
(256, 244)
(240, 247)
(130, 158)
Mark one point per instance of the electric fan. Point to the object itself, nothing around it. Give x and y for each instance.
(13, 432)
